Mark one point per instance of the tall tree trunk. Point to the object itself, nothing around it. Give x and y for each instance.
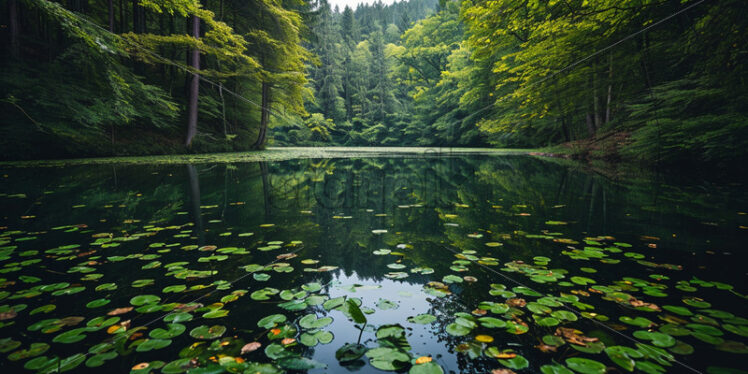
(596, 98)
(610, 87)
(590, 125)
(223, 108)
(565, 129)
(138, 18)
(194, 86)
(15, 50)
(122, 18)
(264, 116)
(111, 15)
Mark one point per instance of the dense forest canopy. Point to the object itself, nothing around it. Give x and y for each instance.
(118, 77)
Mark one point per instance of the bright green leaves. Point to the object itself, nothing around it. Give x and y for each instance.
(272, 321)
(309, 321)
(353, 310)
(657, 338)
(204, 332)
(422, 319)
(462, 326)
(388, 359)
(144, 299)
(585, 366)
(173, 330)
(623, 356)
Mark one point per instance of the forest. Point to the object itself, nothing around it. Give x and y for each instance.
(650, 81)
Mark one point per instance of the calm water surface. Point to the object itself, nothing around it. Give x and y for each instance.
(474, 263)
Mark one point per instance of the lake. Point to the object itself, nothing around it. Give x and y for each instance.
(421, 262)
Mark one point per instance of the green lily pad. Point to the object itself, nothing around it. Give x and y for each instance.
(637, 321)
(97, 303)
(69, 337)
(178, 317)
(490, 322)
(144, 299)
(173, 330)
(658, 339)
(153, 344)
(350, 352)
(208, 332)
(388, 359)
(585, 366)
(35, 349)
(732, 347)
(385, 304)
(271, 321)
(300, 363)
(623, 356)
(555, 369)
(100, 359)
(516, 363)
(310, 321)
(680, 310)
(426, 368)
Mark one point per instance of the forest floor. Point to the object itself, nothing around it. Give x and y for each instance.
(603, 147)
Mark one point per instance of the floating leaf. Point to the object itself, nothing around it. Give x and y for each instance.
(423, 319)
(585, 366)
(271, 321)
(208, 332)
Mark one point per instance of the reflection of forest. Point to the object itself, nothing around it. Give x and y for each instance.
(425, 204)
(333, 204)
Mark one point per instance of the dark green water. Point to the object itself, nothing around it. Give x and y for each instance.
(580, 250)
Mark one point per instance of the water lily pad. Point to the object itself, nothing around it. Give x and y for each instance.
(153, 344)
(585, 366)
(208, 332)
(310, 321)
(35, 349)
(426, 368)
(271, 321)
(658, 339)
(300, 363)
(385, 304)
(422, 319)
(97, 303)
(623, 356)
(555, 369)
(680, 310)
(172, 330)
(637, 321)
(350, 352)
(100, 359)
(388, 359)
(732, 347)
(144, 299)
(178, 317)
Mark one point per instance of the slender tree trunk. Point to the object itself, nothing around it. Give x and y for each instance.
(610, 87)
(596, 98)
(122, 18)
(194, 86)
(111, 15)
(15, 50)
(565, 129)
(138, 18)
(590, 125)
(223, 108)
(264, 116)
